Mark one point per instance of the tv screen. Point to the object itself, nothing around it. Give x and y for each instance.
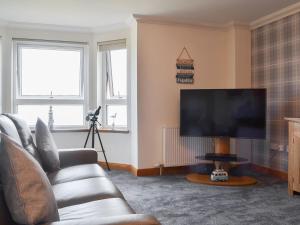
(239, 113)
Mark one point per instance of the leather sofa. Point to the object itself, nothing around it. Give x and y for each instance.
(83, 192)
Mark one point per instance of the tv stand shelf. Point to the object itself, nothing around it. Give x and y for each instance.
(221, 157)
(232, 181)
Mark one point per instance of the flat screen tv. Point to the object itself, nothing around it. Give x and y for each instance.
(237, 113)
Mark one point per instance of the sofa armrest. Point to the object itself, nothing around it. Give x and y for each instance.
(76, 156)
(131, 219)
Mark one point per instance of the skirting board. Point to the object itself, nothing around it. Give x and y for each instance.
(184, 170)
(269, 171)
(150, 171)
(162, 171)
(117, 166)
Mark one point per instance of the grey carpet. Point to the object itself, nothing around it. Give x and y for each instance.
(174, 201)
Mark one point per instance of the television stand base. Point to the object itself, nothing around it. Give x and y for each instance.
(221, 158)
(232, 181)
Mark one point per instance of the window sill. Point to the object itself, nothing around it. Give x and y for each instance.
(74, 130)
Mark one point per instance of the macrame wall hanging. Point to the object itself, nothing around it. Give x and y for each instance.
(185, 68)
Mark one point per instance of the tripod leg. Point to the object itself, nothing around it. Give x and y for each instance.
(102, 148)
(87, 138)
(93, 135)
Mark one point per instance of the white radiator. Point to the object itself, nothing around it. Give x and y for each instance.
(181, 151)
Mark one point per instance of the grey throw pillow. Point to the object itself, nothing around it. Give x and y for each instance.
(25, 135)
(27, 191)
(46, 147)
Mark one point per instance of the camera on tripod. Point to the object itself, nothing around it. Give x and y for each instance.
(93, 115)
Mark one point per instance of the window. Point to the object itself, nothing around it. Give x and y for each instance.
(50, 74)
(113, 61)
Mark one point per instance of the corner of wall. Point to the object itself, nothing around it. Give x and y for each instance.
(5, 80)
(134, 94)
(231, 55)
(243, 57)
(239, 56)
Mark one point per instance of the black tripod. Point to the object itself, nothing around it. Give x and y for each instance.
(94, 130)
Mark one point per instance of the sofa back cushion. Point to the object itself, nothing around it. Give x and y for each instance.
(25, 135)
(46, 147)
(27, 191)
(7, 127)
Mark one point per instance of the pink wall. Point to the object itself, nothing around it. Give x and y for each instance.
(158, 92)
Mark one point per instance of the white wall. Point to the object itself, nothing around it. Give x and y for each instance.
(117, 145)
(5, 52)
(134, 96)
(221, 60)
(158, 93)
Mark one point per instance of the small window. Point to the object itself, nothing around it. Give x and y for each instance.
(113, 61)
(117, 74)
(50, 74)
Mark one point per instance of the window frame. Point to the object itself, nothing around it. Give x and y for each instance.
(81, 99)
(105, 100)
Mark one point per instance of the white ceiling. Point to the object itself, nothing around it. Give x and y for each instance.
(99, 13)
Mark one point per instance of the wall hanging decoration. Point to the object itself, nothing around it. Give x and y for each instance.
(185, 68)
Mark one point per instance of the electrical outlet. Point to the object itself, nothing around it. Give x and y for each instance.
(281, 148)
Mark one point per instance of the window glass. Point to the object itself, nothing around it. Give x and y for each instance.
(64, 115)
(118, 73)
(49, 70)
(113, 64)
(117, 114)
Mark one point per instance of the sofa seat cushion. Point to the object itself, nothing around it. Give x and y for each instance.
(86, 190)
(78, 172)
(100, 208)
